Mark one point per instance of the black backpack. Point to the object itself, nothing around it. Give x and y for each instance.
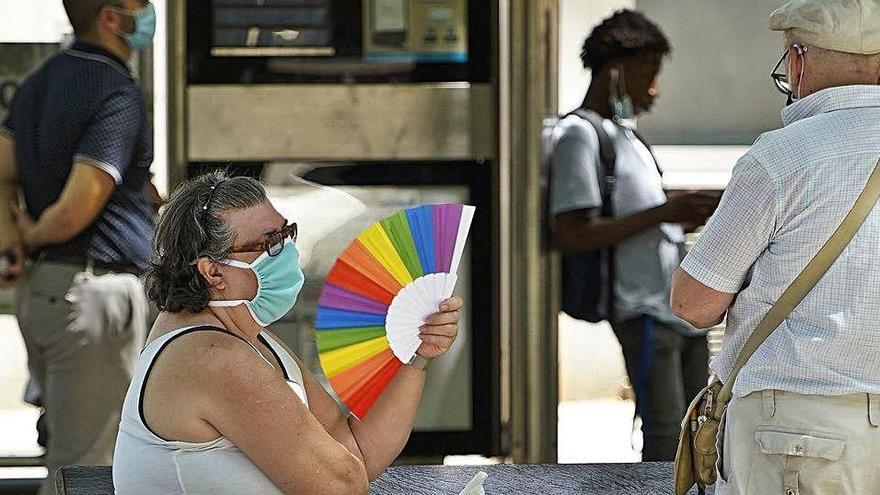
(588, 278)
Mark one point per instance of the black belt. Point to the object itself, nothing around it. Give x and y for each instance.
(83, 262)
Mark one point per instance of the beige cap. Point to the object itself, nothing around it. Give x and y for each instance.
(851, 26)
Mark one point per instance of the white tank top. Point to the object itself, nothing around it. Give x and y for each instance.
(145, 463)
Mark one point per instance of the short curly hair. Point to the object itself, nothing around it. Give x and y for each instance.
(624, 34)
(191, 226)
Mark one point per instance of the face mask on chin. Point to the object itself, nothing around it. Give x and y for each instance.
(144, 27)
(619, 101)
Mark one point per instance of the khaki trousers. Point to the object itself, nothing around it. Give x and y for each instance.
(83, 376)
(784, 443)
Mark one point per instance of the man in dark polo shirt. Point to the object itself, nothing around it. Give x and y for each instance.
(77, 147)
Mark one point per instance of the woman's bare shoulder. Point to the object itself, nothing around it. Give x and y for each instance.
(166, 323)
(207, 368)
(204, 350)
(196, 372)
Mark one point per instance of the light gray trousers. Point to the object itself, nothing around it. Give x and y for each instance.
(82, 370)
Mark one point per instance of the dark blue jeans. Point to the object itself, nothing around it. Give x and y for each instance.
(677, 371)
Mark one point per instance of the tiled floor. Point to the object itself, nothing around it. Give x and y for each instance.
(18, 436)
(595, 423)
(597, 430)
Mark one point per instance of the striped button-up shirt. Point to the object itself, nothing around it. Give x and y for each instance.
(788, 193)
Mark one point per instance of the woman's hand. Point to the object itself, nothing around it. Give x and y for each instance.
(440, 329)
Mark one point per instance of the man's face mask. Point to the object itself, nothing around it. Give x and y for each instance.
(144, 27)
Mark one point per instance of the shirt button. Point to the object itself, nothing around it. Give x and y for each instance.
(790, 491)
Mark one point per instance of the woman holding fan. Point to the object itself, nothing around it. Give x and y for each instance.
(218, 404)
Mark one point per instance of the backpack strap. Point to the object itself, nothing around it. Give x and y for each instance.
(608, 161)
(607, 158)
(641, 138)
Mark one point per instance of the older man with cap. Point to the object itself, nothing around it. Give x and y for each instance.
(806, 406)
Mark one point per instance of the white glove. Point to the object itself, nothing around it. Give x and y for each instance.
(475, 485)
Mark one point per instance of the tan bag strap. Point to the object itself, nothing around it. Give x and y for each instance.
(808, 278)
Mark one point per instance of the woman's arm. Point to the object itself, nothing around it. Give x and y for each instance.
(251, 405)
(379, 437)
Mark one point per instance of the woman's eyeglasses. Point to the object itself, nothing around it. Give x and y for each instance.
(274, 243)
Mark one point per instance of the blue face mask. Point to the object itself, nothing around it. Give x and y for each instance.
(279, 280)
(144, 27)
(619, 101)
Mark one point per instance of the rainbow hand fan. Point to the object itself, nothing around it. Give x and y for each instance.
(379, 292)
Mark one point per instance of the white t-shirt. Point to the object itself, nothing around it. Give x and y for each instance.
(644, 263)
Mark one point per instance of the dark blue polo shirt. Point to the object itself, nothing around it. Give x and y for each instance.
(82, 105)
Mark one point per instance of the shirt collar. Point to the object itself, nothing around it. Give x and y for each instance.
(99, 53)
(831, 99)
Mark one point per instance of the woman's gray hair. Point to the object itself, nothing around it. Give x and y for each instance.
(190, 227)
